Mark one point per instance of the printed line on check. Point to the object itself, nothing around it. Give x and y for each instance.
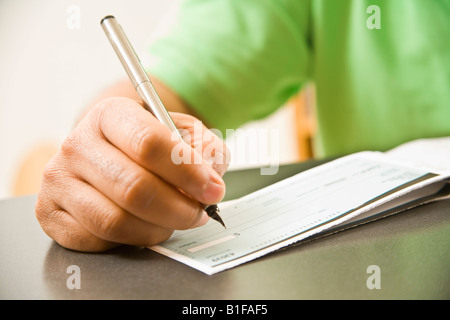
(211, 243)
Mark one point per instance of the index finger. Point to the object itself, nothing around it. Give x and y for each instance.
(138, 134)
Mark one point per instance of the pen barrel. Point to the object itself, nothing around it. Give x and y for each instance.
(153, 104)
(136, 72)
(142, 84)
(124, 50)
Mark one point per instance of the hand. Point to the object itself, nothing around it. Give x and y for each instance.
(114, 182)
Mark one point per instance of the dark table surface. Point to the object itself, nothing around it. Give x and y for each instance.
(411, 250)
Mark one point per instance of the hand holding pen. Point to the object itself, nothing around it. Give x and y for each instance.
(113, 182)
(143, 85)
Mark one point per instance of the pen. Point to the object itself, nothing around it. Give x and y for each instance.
(143, 86)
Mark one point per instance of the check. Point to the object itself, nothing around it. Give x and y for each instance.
(296, 208)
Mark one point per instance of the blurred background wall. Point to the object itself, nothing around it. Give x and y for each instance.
(54, 59)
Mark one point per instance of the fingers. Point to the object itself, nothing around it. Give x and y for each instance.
(117, 179)
(88, 221)
(65, 230)
(131, 187)
(150, 144)
(212, 149)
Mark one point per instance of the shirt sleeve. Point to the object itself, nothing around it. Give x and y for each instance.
(234, 61)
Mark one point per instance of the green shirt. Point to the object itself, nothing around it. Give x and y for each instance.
(382, 74)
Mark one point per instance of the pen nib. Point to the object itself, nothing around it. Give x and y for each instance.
(213, 212)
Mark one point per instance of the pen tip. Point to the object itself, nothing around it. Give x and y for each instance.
(219, 219)
(213, 212)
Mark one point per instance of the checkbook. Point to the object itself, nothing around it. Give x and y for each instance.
(337, 195)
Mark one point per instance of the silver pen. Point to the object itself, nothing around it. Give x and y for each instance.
(142, 84)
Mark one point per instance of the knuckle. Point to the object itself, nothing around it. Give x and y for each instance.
(137, 191)
(109, 225)
(98, 112)
(146, 143)
(42, 210)
(102, 107)
(49, 218)
(66, 233)
(52, 172)
(71, 144)
(55, 175)
(102, 111)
